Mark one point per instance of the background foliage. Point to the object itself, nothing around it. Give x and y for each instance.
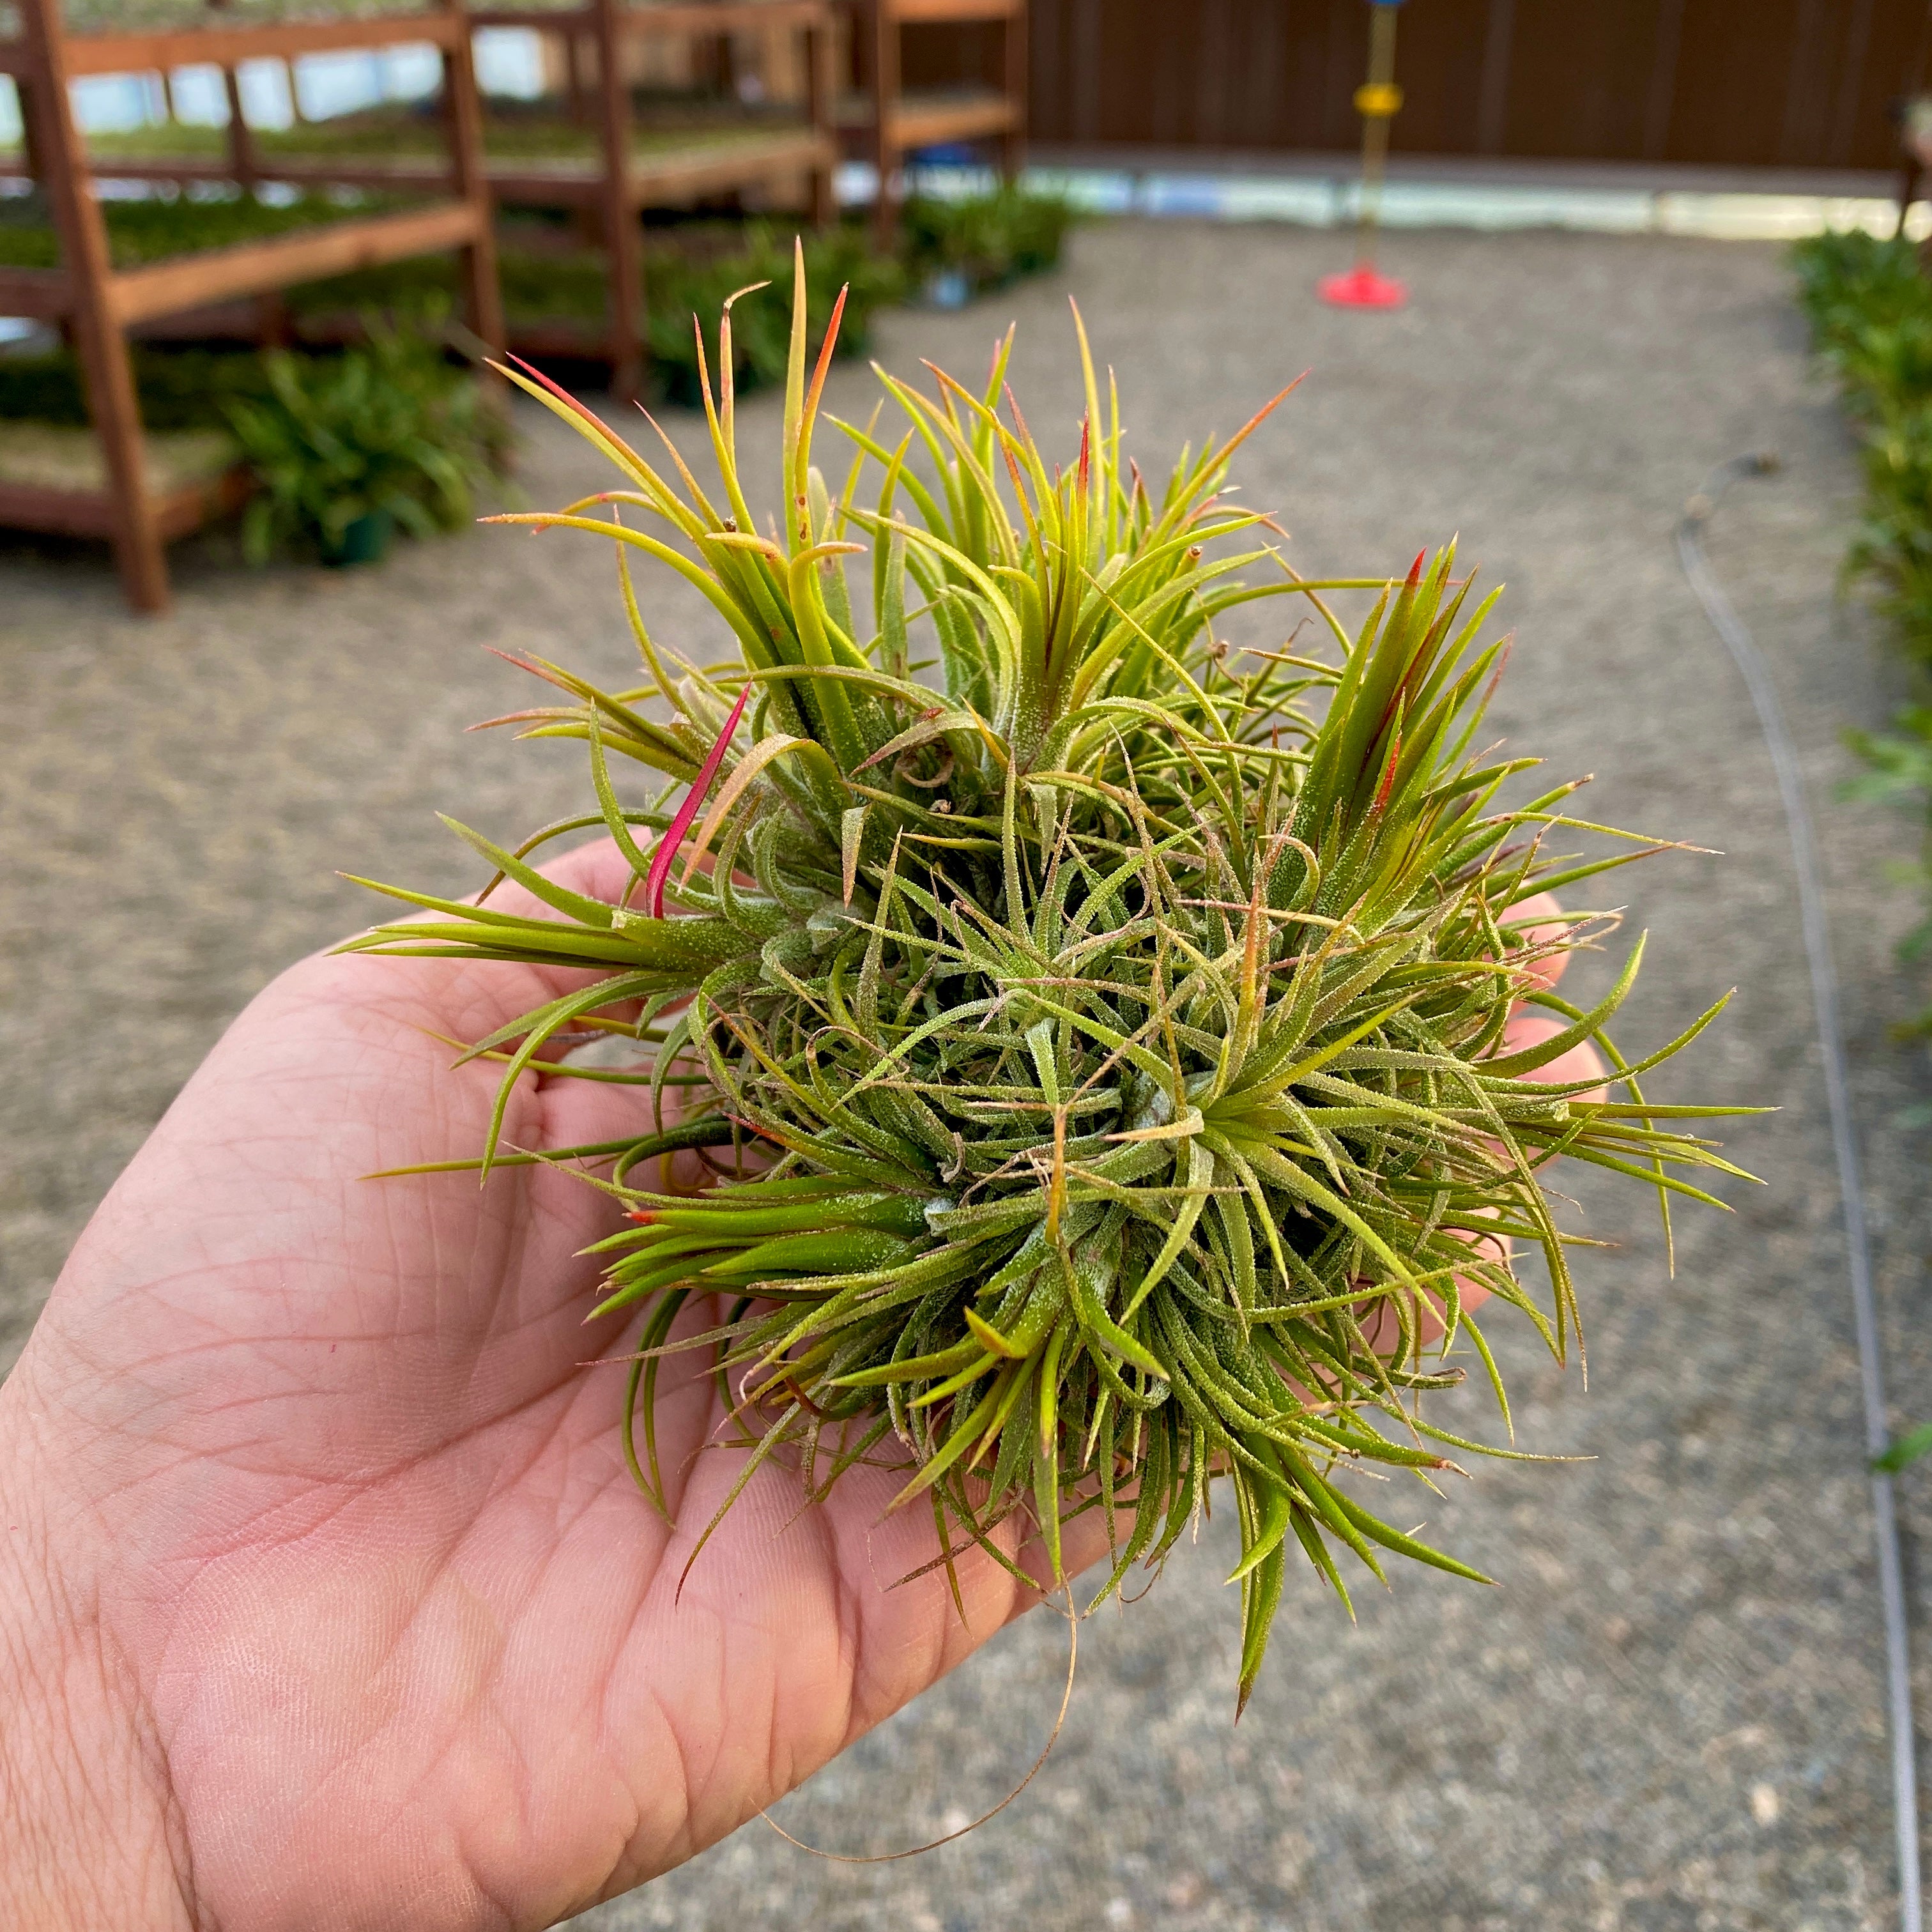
(1869, 303)
(389, 429)
(548, 279)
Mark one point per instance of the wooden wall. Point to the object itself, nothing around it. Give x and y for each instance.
(1789, 83)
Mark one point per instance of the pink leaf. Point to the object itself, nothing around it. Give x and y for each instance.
(665, 856)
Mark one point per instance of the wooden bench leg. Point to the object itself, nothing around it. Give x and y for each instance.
(139, 554)
(62, 171)
(463, 114)
(138, 557)
(820, 92)
(625, 259)
(1013, 55)
(483, 295)
(623, 240)
(884, 64)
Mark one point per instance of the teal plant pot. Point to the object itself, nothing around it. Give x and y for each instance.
(364, 540)
(948, 288)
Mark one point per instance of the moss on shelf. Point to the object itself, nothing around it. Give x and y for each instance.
(60, 456)
(156, 228)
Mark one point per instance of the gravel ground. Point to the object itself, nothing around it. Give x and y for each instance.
(1671, 1716)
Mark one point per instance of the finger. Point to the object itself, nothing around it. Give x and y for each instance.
(1581, 1062)
(466, 997)
(1084, 1540)
(598, 870)
(1539, 925)
(475, 997)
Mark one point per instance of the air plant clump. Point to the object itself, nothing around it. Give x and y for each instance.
(1101, 1047)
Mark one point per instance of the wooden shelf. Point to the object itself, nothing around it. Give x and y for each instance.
(952, 12)
(224, 45)
(181, 283)
(923, 120)
(166, 288)
(725, 16)
(185, 491)
(891, 120)
(40, 294)
(141, 501)
(924, 117)
(670, 176)
(699, 170)
(663, 170)
(603, 167)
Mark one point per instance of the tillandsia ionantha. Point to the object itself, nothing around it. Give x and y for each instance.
(1100, 1048)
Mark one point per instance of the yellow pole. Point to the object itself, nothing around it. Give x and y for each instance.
(1377, 101)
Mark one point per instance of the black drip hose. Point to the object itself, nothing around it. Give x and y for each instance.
(1750, 663)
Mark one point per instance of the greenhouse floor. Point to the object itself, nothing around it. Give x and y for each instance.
(1671, 1715)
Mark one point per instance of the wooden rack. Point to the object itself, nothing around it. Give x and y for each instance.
(892, 120)
(98, 304)
(622, 182)
(616, 177)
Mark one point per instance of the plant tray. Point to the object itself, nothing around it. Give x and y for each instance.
(408, 143)
(132, 16)
(925, 116)
(143, 232)
(54, 457)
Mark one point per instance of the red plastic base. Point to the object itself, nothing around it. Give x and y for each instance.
(1363, 288)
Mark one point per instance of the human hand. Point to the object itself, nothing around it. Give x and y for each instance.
(326, 1598)
(1539, 922)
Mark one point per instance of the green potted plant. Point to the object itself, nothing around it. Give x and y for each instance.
(686, 284)
(347, 449)
(955, 248)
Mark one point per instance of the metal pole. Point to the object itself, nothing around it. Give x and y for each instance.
(1377, 101)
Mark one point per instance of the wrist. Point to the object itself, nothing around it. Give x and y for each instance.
(89, 1836)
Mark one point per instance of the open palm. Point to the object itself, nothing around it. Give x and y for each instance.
(345, 1518)
(405, 1630)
